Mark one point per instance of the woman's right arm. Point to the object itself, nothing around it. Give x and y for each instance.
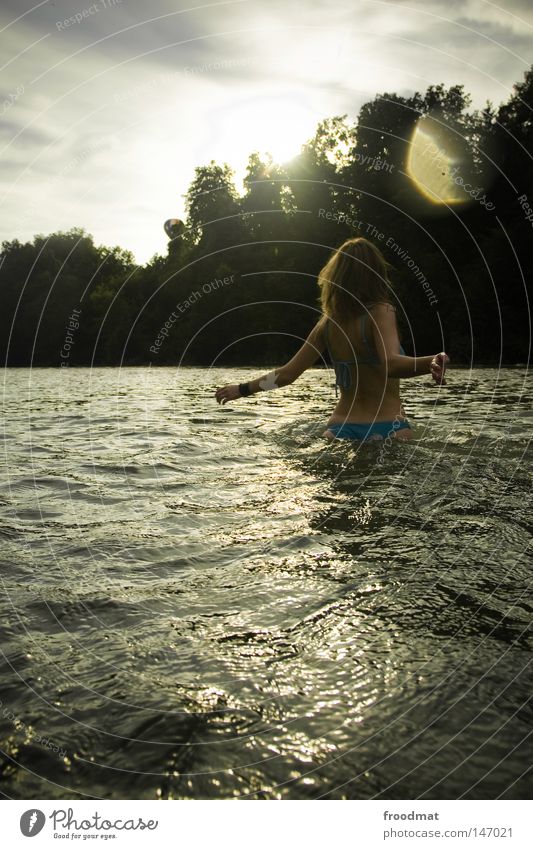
(387, 342)
(285, 375)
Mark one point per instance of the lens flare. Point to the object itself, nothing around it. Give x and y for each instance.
(435, 172)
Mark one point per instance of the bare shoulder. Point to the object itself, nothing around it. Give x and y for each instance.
(383, 313)
(382, 308)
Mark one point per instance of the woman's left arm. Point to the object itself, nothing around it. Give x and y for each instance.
(303, 359)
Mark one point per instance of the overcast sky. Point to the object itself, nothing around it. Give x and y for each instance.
(104, 117)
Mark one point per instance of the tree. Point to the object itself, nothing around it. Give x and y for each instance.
(213, 209)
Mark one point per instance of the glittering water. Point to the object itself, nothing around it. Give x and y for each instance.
(208, 602)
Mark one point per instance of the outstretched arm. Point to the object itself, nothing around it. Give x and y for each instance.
(304, 358)
(387, 344)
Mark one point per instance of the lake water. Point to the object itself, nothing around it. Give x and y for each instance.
(213, 602)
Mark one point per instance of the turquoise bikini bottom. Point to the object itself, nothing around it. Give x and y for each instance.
(367, 431)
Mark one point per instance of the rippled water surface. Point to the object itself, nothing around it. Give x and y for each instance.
(208, 602)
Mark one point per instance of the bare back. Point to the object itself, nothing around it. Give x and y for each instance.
(366, 392)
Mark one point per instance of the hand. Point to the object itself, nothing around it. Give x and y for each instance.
(438, 367)
(227, 393)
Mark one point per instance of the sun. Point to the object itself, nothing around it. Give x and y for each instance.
(275, 124)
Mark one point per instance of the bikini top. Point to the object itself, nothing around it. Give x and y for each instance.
(343, 374)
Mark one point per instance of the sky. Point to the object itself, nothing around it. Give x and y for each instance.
(106, 108)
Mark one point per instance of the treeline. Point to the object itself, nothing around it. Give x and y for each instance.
(239, 286)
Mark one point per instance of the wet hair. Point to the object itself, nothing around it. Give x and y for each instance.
(354, 277)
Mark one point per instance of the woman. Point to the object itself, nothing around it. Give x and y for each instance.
(358, 328)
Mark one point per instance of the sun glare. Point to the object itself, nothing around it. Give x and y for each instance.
(278, 125)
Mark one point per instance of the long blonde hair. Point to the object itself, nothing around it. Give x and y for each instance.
(355, 276)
